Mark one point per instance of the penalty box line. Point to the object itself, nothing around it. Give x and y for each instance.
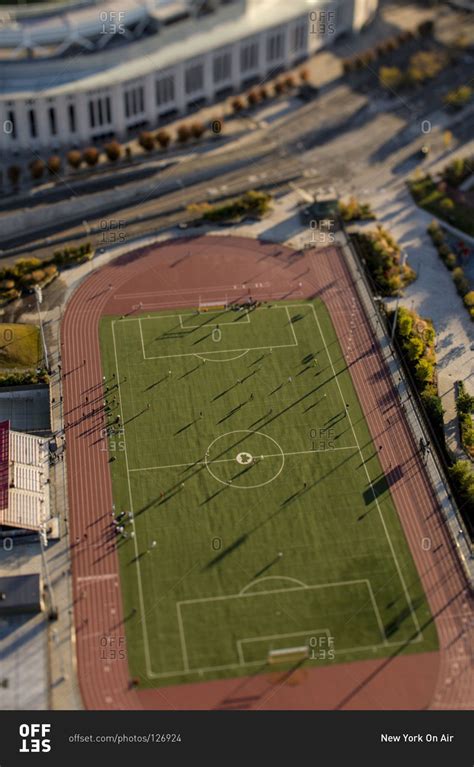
(204, 324)
(230, 460)
(249, 595)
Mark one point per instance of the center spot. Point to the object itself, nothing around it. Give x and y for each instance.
(244, 458)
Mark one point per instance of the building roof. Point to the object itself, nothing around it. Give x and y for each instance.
(20, 593)
(180, 42)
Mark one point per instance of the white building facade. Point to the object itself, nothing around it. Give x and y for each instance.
(110, 69)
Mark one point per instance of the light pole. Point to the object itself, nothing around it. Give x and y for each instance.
(394, 321)
(39, 299)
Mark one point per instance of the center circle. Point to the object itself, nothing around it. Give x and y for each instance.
(259, 457)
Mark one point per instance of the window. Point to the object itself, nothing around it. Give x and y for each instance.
(71, 110)
(222, 67)
(91, 114)
(11, 120)
(134, 101)
(108, 109)
(249, 56)
(299, 37)
(32, 122)
(275, 46)
(194, 78)
(52, 121)
(165, 90)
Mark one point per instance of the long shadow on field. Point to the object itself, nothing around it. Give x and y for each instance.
(401, 648)
(392, 626)
(228, 550)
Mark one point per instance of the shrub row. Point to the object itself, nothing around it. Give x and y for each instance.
(24, 378)
(417, 339)
(465, 410)
(384, 260)
(451, 260)
(434, 196)
(252, 203)
(27, 273)
(353, 210)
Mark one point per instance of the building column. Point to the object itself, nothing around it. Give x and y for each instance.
(150, 98)
(118, 109)
(180, 94)
(83, 129)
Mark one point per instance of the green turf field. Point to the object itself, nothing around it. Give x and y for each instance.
(273, 523)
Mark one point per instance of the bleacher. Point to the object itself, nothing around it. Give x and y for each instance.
(24, 479)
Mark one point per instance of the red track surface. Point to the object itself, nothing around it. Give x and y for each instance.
(180, 273)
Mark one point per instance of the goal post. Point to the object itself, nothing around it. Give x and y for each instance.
(212, 306)
(288, 655)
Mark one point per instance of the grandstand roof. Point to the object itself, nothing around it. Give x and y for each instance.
(20, 594)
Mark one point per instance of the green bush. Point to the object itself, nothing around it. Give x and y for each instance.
(461, 282)
(462, 478)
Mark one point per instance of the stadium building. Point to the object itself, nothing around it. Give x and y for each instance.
(85, 71)
(24, 480)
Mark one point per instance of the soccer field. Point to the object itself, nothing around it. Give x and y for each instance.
(262, 520)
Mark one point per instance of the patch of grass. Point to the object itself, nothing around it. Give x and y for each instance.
(20, 346)
(245, 456)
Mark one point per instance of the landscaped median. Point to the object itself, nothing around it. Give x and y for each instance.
(453, 255)
(441, 194)
(251, 205)
(382, 256)
(416, 341)
(26, 274)
(465, 410)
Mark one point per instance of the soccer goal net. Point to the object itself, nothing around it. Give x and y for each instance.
(212, 306)
(288, 655)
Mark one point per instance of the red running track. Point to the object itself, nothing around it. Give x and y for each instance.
(182, 273)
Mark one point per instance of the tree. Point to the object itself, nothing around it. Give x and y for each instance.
(91, 156)
(414, 348)
(74, 158)
(163, 138)
(128, 152)
(237, 104)
(113, 151)
(289, 81)
(279, 87)
(426, 28)
(54, 164)
(253, 97)
(197, 129)
(146, 141)
(304, 75)
(183, 134)
(14, 174)
(462, 477)
(424, 370)
(465, 403)
(405, 323)
(263, 92)
(390, 77)
(37, 168)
